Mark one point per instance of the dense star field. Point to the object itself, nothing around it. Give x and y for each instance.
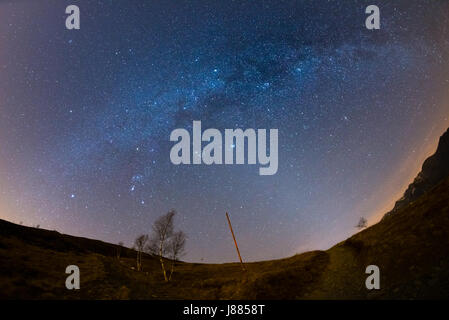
(86, 116)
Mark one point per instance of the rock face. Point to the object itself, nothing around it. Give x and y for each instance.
(434, 169)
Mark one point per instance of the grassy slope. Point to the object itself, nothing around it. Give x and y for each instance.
(411, 248)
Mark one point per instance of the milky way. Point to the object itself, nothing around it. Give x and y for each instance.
(86, 116)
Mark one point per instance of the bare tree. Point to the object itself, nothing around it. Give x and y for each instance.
(152, 246)
(119, 249)
(162, 231)
(176, 249)
(140, 245)
(362, 223)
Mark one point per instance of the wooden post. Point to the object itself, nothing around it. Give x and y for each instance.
(235, 242)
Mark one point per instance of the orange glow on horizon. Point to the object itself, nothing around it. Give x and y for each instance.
(407, 171)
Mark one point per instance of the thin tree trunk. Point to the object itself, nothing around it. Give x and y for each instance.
(172, 269)
(163, 269)
(162, 262)
(140, 260)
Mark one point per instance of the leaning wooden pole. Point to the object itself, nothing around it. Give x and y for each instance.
(235, 242)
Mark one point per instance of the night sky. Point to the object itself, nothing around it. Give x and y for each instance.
(86, 115)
